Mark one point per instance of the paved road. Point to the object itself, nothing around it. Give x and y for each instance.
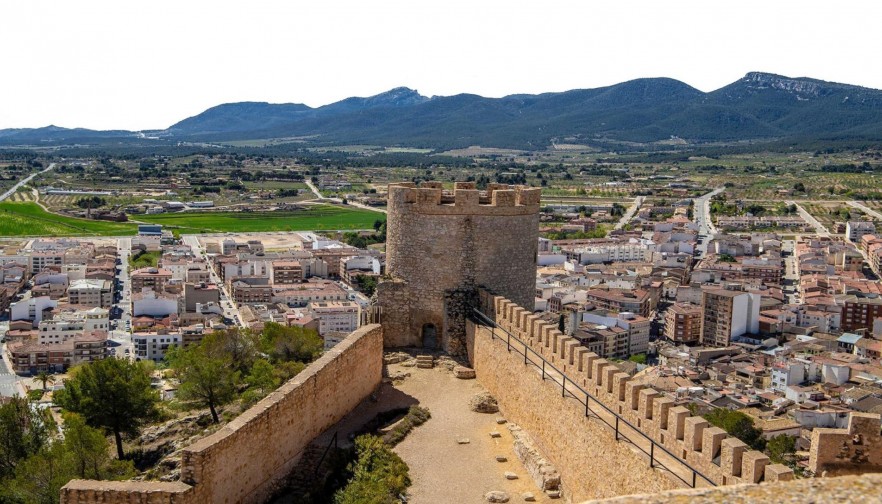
(229, 307)
(7, 378)
(355, 204)
(702, 216)
(791, 274)
(819, 228)
(121, 337)
(626, 218)
(24, 181)
(864, 208)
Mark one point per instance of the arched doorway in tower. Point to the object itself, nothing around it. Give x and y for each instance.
(430, 337)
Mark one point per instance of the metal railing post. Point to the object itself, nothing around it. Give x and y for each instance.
(618, 419)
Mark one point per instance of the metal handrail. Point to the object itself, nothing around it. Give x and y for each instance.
(653, 462)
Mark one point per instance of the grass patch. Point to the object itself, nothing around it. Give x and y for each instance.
(145, 259)
(416, 415)
(314, 218)
(29, 219)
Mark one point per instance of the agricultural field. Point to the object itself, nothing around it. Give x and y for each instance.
(314, 218)
(830, 212)
(29, 219)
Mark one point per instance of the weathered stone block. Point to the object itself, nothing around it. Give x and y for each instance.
(694, 430)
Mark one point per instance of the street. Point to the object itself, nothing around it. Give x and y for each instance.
(319, 196)
(24, 181)
(864, 208)
(121, 337)
(229, 307)
(702, 216)
(7, 378)
(819, 228)
(629, 213)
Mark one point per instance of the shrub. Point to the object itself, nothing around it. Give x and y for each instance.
(379, 476)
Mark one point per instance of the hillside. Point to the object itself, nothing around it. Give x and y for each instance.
(759, 106)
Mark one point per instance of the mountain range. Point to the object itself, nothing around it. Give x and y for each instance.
(758, 107)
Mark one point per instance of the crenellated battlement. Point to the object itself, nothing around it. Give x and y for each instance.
(724, 459)
(465, 199)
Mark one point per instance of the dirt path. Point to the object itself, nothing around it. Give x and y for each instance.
(444, 471)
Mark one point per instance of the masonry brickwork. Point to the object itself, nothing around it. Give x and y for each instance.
(844, 490)
(575, 443)
(441, 244)
(856, 449)
(247, 459)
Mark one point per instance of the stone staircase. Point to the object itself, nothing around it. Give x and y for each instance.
(425, 361)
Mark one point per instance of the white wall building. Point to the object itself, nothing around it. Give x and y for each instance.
(153, 346)
(854, 230)
(31, 308)
(65, 325)
(337, 316)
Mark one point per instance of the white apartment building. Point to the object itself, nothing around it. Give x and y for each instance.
(335, 316)
(68, 324)
(31, 308)
(633, 251)
(854, 230)
(153, 346)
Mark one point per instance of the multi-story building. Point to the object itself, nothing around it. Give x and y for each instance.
(332, 256)
(335, 316)
(630, 251)
(859, 311)
(31, 309)
(91, 292)
(60, 326)
(855, 230)
(252, 290)
(359, 265)
(30, 357)
(683, 323)
(201, 293)
(154, 279)
(287, 272)
(619, 300)
(727, 314)
(154, 345)
(623, 334)
(303, 294)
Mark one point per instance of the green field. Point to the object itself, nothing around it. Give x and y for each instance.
(315, 218)
(29, 219)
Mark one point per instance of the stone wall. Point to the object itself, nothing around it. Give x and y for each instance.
(581, 448)
(439, 242)
(854, 450)
(844, 490)
(590, 462)
(247, 459)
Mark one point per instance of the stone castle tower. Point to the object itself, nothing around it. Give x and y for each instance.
(442, 245)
